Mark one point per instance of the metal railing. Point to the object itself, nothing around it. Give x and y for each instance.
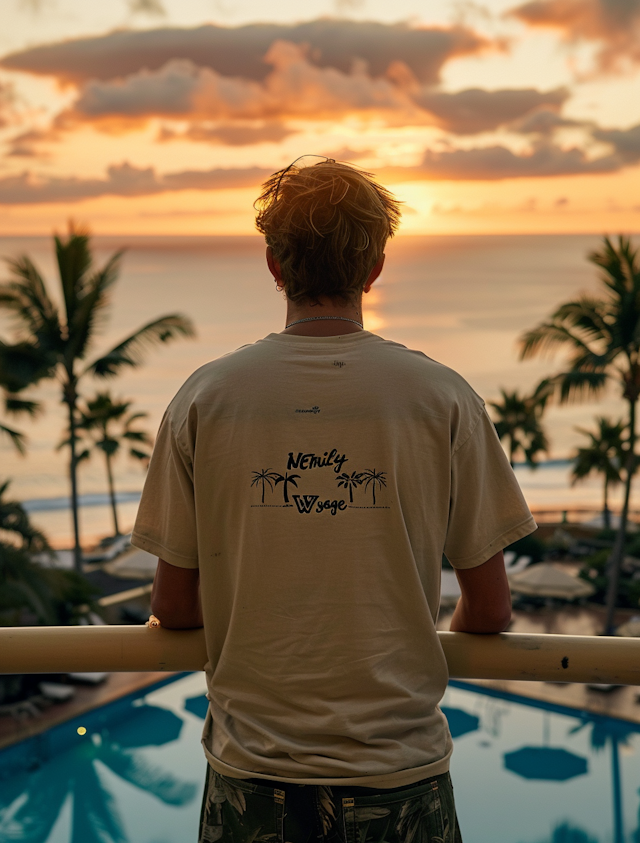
(546, 658)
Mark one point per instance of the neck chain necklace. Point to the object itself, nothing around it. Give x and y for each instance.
(314, 318)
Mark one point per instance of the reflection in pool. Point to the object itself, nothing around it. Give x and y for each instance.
(523, 772)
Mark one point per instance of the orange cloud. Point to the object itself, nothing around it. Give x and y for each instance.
(123, 180)
(294, 88)
(613, 24)
(492, 163)
(233, 134)
(476, 110)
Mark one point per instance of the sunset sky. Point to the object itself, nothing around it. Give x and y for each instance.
(164, 116)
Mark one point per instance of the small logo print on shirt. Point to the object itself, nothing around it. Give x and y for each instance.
(339, 363)
(312, 410)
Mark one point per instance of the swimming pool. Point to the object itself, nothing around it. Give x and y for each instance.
(523, 772)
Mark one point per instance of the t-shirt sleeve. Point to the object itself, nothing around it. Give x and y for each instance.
(166, 523)
(487, 509)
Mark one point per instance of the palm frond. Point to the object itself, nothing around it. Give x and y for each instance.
(27, 299)
(587, 361)
(577, 385)
(131, 351)
(138, 436)
(14, 405)
(139, 455)
(74, 261)
(588, 314)
(620, 270)
(23, 364)
(90, 307)
(18, 439)
(546, 337)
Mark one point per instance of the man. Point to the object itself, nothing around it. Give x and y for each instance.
(301, 494)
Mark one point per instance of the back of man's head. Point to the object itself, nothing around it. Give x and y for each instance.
(327, 226)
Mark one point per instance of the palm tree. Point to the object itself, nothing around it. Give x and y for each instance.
(285, 479)
(373, 478)
(20, 367)
(53, 596)
(518, 421)
(61, 338)
(349, 482)
(108, 426)
(15, 521)
(604, 455)
(265, 478)
(602, 335)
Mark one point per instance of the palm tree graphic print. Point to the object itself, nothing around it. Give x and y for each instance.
(314, 470)
(349, 482)
(265, 477)
(285, 479)
(374, 478)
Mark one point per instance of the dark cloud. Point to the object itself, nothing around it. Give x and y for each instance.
(493, 163)
(613, 24)
(626, 142)
(168, 91)
(544, 122)
(26, 144)
(122, 180)
(231, 134)
(240, 51)
(476, 110)
(146, 7)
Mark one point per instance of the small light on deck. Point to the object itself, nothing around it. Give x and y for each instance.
(82, 730)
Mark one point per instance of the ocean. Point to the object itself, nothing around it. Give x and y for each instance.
(462, 300)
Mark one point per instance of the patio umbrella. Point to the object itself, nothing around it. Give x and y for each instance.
(460, 722)
(197, 705)
(630, 629)
(545, 580)
(545, 763)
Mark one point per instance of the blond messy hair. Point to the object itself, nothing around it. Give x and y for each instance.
(327, 226)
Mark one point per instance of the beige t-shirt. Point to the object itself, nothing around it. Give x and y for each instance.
(316, 483)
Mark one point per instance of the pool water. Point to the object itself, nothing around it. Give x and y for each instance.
(523, 772)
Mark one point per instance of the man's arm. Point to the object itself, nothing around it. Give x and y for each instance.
(485, 603)
(175, 597)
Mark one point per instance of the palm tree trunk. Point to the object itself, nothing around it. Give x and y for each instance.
(615, 560)
(511, 450)
(70, 400)
(606, 514)
(112, 495)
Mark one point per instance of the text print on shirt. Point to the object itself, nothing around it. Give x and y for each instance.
(365, 483)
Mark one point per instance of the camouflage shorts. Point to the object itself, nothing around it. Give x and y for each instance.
(252, 811)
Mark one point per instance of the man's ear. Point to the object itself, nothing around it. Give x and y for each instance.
(274, 266)
(375, 272)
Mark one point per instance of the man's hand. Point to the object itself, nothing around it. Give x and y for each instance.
(485, 604)
(175, 597)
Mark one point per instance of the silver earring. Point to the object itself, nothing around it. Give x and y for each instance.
(279, 289)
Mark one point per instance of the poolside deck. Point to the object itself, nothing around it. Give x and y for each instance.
(87, 697)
